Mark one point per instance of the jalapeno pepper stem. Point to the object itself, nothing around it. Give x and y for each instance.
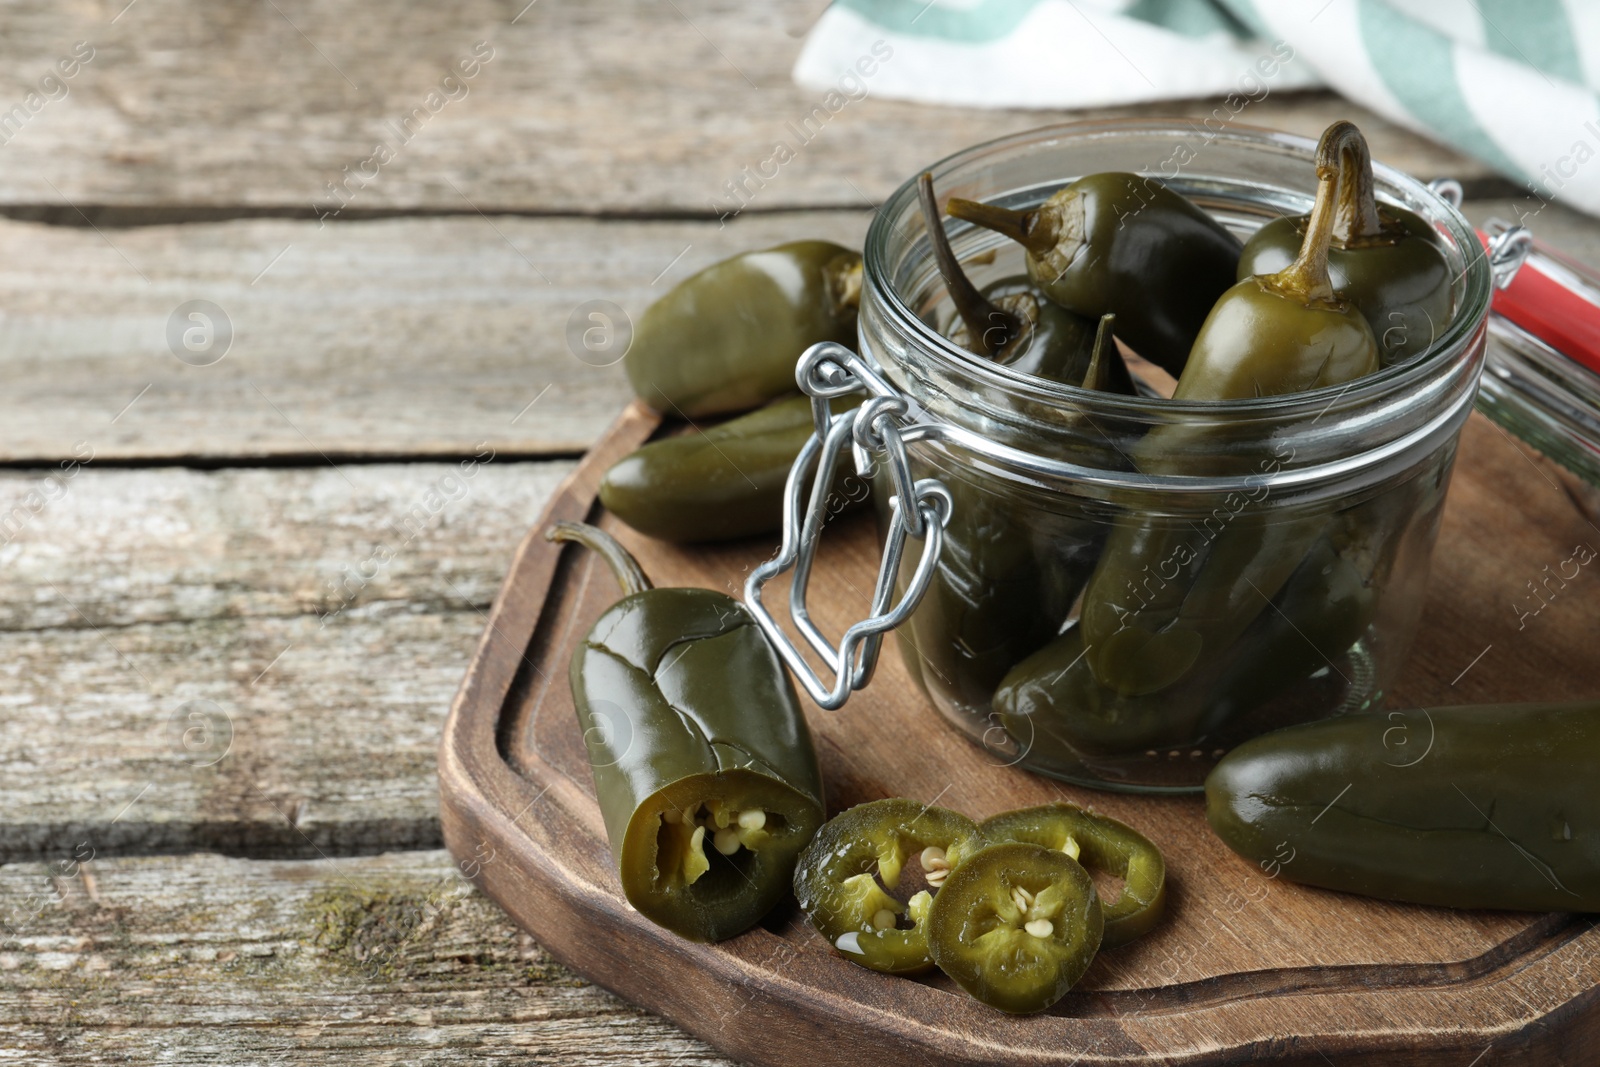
(980, 316)
(1343, 146)
(623, 566)
(1032, 229)
(1098, 374)
(1306, 279)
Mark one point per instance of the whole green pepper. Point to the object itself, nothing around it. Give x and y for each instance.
(1324, 608)
(1123, 244)
(1011, 322)
(1465, 807)
(837, 879)
(1054, 344)
(1054, 708)
(1163, 598)
(1384, 258)
(1016, 925)
(703, 765)
(724, 483)
(1056, 711)
(728, 338)
(1099, 844)
(991, 603)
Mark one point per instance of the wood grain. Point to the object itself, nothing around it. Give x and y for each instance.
(399, 338)
(1496, 627)
(316, 620)
(1245, 969)
(192, 107)
(203, 959)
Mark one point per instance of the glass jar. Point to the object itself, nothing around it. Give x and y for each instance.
(1310, 517)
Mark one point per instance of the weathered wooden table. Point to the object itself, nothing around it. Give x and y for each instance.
(247, 554)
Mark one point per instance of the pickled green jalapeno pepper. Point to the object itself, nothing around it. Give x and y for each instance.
(985, 327)
(724, 483)
(1384, 258)
(1056, 344)
(1324, 608)
(990, 602)
(727, 339)
(1001, 587)
(1100, 844)
(1127, 245)
(1052, 705)
(838, 879)
(1011, 322)
(1162, 600)
(1465, 807)
(703, 765)
(1016, 925)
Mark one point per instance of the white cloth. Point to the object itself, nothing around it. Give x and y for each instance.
(1510, 82)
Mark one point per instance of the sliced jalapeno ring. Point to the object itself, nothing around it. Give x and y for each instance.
(1016, 925)
(1100, 844)
(838, 879)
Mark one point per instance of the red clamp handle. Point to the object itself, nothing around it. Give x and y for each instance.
(1555, 299)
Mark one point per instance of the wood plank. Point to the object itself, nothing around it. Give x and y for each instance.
(200, 960)
(403, 338)
(407, 338)
(621, 106)
(316, 620)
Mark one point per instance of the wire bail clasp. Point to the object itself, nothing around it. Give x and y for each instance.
(873, 432)
(1507, 246)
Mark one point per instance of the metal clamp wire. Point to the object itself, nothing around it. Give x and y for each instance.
(828, 370)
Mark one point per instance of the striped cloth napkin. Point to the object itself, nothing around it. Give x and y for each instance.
(1510, 82)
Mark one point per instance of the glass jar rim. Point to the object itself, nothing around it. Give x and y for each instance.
(1468, 318)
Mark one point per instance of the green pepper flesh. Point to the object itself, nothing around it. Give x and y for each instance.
(1016, 926)
(690, 722)
(727, 339)
(1492, 806)
(1102, 844)
(838, 879)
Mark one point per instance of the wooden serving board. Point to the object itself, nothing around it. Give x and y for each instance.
(1246, 969)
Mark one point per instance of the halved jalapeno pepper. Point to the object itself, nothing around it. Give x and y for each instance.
(838, 879)
(703, 765)
(1016, 925)
(1100, 844)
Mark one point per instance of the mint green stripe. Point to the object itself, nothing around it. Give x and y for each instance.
(1535, 32)
(982, 24)
(1418, 66)
(1191, 18)
(1245, 11)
